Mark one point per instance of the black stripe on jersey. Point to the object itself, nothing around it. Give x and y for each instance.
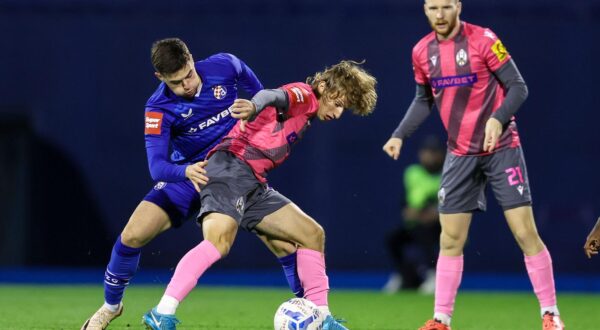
(463, 94)
(476, 143)
(435, 67)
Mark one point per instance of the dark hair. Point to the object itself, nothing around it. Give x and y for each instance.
(169, 55)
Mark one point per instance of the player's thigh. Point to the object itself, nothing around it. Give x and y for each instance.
(291, 224)
(220, 229)
(166, 205)
(462, 186)
(507, 175)
(278, 247)
(147, 221)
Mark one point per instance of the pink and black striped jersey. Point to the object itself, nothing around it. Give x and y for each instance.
(268, 139)
(466, 92)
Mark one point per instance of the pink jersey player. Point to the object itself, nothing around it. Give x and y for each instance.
(237, 195)
(474, 83)
(467, 63)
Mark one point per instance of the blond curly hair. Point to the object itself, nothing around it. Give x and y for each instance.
(348, 79)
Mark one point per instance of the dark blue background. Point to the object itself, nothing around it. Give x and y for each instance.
(79, 73)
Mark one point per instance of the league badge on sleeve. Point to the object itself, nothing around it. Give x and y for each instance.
(219, 92)
(153, 122)
(298, 94)
(500, 51)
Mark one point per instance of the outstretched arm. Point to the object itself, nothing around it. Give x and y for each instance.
(418, 111)
(592, 244)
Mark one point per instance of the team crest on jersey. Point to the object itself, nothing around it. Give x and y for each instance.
(461, 57)
(219, 92)
(500, 51)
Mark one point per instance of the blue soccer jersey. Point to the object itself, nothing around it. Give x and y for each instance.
(180, 131)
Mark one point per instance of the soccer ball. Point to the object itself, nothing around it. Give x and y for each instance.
(298, 314)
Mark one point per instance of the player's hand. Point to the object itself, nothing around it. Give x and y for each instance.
(592, 243)
(392, 147)
(493, 130)
(243, 110)
(197, 174)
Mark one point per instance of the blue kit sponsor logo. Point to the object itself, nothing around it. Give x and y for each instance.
(454, 81)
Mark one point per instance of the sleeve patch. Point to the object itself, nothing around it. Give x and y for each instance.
(153, 122)
(500, 51)
(298, 95)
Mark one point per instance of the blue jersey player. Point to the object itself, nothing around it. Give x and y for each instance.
(187, 116)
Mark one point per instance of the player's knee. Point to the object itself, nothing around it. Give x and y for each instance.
(452, 241)
(133, 238)
(527, 237)
(222, 242)
(316, 238)
(223, 247)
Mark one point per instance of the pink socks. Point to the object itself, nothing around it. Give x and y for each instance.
(190, 268)
(311, 271)
(447, 280)
(541, 275)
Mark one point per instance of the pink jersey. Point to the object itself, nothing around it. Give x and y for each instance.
(460, 73)
(267, 141)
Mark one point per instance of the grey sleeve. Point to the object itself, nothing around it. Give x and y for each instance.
(419, 110)
(270, 97)
(516, 91)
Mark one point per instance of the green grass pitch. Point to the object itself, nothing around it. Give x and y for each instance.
(67, 307)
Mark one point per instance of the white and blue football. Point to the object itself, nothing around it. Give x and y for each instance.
(298, 314)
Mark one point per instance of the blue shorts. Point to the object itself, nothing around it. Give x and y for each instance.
(179, 199)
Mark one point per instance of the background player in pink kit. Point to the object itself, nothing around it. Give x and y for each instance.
(237, 193)
(477, 88)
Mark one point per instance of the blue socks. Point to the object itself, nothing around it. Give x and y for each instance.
(124, 262)
(291, 274)
(121, 268)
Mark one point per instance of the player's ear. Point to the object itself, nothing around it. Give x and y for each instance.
(321, 87)
(159, 76)
(458, 7)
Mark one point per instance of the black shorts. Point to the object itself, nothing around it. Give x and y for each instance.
(233, 190)
(464, 179)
